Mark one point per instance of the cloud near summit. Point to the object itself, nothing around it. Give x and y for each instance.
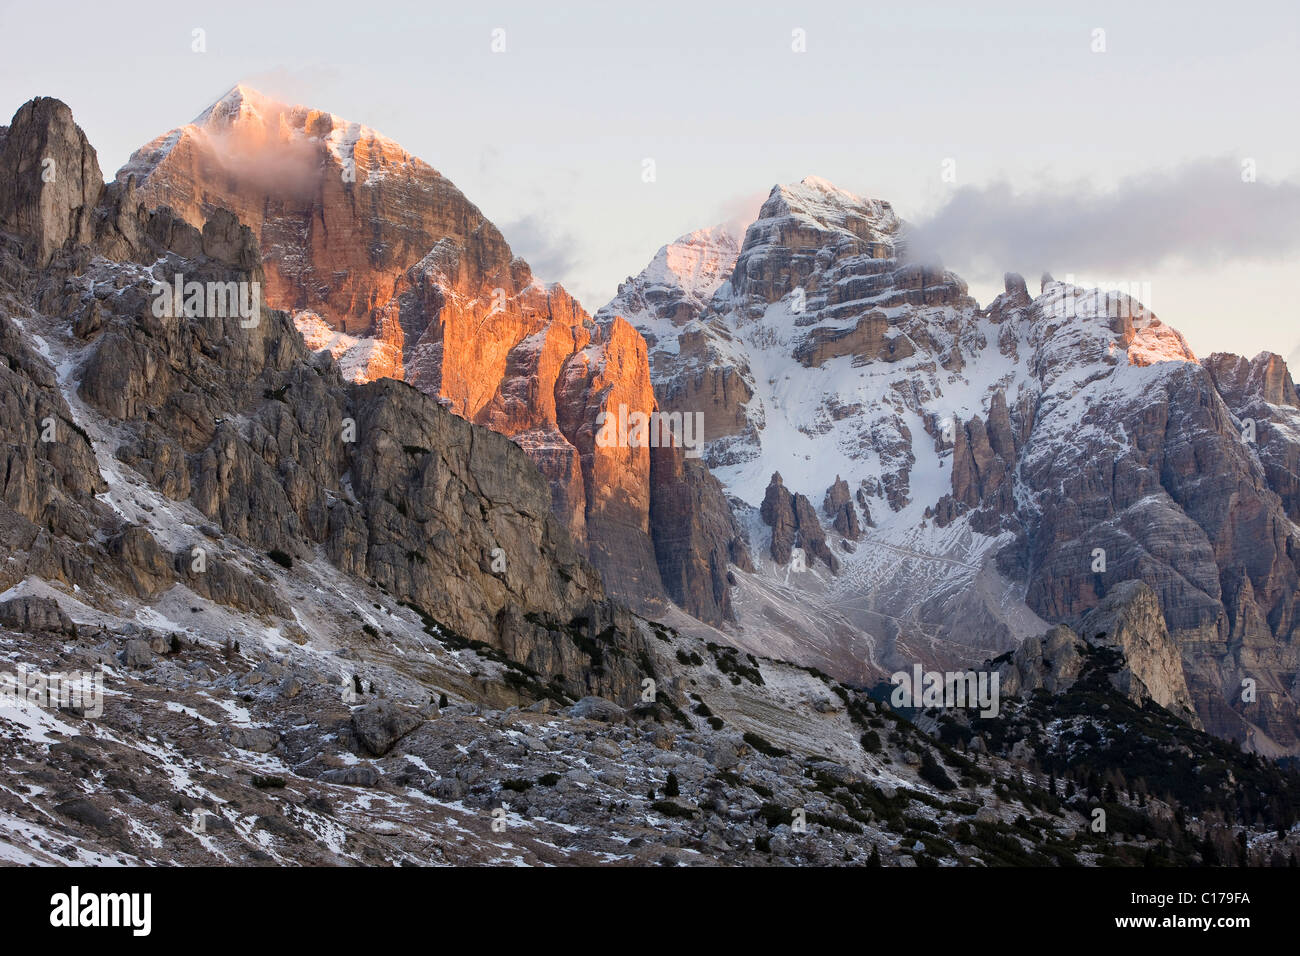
(1206, 211)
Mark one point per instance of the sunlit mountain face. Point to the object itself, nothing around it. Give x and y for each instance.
(306, 590)
(951, 469)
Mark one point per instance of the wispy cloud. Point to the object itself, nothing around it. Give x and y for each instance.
(738, 212)
(1202, 211)
(552, 252)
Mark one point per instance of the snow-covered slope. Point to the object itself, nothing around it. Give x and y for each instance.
(988, 452)
(678, 283)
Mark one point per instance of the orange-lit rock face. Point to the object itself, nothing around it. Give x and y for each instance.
(611, 373)
(341, 212)
(386, 264)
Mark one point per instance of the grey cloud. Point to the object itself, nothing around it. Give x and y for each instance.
(290, 168)
(1198, 212)
(550, 251)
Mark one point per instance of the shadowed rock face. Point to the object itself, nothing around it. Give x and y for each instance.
(695, 549)
(267, 441)
(1129, 620)
(838, 506)
(794, 523)
(49, 179)
(387, 265)
(1260, 392)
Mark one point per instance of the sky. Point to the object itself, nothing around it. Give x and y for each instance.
(1162, 152)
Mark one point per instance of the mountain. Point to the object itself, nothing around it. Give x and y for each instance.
(385, 263)
(678, 283)
(336, 623)
(960, 478)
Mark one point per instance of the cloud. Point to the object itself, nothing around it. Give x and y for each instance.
(550, 251)
(264, 165)
(739, 212)
(1201, 212)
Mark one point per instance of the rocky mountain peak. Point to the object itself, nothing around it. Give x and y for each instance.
(1014, 464)
(50, 180)
(1091, 325)
(389, 268)
(242, 104)
(677, 284)
(1264, 378)
(828, 205)
(804, 221)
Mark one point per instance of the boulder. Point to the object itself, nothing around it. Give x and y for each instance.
(35, 615)
(260, 740)
(137, 654)
(598, 708)
(381, 724)
(362, 775)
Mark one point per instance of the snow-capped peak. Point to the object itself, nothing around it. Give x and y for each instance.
(238, 102)
(823, 187)
(678, 282)
(697, 262)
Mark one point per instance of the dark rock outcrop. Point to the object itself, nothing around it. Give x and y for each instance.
(35, 615)
(838, 506)
(696, 537)
(777, 511)
(50, 181)
(378, 726)
(794, 523)
(1128, 620)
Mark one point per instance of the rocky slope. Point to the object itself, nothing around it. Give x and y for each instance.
(386, 264)
(1129, 621)
(338, 624)
(247, 434)
(1011, 465)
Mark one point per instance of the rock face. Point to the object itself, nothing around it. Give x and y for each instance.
(795, 289)
(50, 181)
(838, 506)
(698, 538)
(778, 514)
(1128, 620)
(678, 283)
(35, 615)
(382, 724)
(1140, 472)
(664, 303)
(1262, 397)
(386, 265)
(794, 523)
(1052, 662)
(279, 454)
(1050, 447)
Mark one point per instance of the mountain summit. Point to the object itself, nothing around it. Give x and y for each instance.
(283, 599)
(982, 472)
(383, 262)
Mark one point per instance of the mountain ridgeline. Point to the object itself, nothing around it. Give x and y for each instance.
(1012, 464)
(997, 470)
(360, 545)
(385, 263)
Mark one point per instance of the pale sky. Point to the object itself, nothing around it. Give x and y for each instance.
(548, 138)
